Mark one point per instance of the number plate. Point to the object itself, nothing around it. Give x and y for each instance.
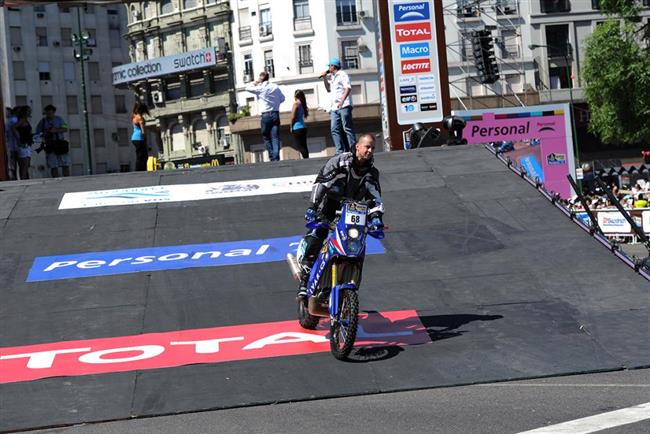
(355, 218)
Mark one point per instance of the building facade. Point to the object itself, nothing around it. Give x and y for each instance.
(38, 68)
(293, 41)
(181, 67)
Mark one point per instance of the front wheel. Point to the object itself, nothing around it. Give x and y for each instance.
(343, 331)
(306, 320)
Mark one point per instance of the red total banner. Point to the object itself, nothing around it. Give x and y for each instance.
(210, 345)
(413, 32)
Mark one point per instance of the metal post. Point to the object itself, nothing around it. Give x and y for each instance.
(4, 170)
(84, 100)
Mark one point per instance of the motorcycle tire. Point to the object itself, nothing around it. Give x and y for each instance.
(343, 331)
(306, 320)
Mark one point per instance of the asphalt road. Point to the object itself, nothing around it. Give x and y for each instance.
(508, 407)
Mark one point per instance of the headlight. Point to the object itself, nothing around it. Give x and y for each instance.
(353, 246)
(353, 233)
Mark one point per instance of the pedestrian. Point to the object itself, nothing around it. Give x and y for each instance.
(138, 137)
(298, 124)
(12, 143)
(269, 98)
(57, 149)
(22, 130)
(337, 83)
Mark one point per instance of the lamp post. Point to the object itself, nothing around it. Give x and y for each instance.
(574, 138)
(80, 40)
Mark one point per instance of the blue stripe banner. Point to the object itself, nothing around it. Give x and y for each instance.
(169, 258)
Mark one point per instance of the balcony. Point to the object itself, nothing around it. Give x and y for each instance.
(266, 31)
(245, 35)
(302, 26)
(506, 7)
(306, 66)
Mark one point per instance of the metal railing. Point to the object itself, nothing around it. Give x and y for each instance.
(302, 24)
(245, 33)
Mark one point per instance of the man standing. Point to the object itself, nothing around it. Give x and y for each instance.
(11, 144)
(57, 150)
(337, 82)
(269, 98)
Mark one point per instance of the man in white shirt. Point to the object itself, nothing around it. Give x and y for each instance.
(337, 82)
(269, 98)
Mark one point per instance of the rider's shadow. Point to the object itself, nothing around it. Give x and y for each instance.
(381, 338)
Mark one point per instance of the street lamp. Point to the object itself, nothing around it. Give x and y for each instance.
(81, 41)
(569, 49)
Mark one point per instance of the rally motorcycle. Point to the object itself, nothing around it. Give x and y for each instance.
(332, 289)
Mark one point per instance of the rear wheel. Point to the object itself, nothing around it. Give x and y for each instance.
(306, 320)
(343, 332)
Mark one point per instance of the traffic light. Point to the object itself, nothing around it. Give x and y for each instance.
(484, 58)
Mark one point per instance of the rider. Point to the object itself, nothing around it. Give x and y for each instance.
(350, 175)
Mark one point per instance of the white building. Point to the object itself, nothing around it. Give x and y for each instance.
(38, 67)
(294, 40)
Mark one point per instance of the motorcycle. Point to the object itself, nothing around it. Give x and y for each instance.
(332, 289)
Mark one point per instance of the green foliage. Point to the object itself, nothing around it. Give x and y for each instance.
(626, 9)
(244, 112)
(617, 73)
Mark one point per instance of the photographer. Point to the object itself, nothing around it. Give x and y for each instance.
(57, 149)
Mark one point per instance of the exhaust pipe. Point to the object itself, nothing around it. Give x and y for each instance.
(293, 266)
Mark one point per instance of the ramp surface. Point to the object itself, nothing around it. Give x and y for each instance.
(504, 285)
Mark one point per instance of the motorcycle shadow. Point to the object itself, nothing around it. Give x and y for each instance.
(373, 353)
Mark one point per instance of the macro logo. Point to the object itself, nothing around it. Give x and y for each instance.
(411, 11)
(416, 66)
(413, 32)
(418, 49)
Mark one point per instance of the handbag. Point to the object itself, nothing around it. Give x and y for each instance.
(61, 147)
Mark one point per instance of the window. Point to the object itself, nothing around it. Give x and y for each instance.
(19, 70)
(557, 39)
(248, 68)
(93, 71)
(178, 138)
(305, 62)
(43, 71)
(115, 38)
(346, 12)
(16, 36)
(75, 138)
(46, 100)
(123, 137)
(41, 36)
(173, 90)
(99, 138)
(595, 4)
(300, 8)
(357, 94)
(66, 37)
(350, 54)
(189, 4)
(72, 104)
(68, 71)
(550, 6)
(268, 63)
(21, 100)
(266, 28)
(125, 168)
(197, 87)
(120, 104)
(39, 8)
(509, 44)
(101, 168)
(166, 7)
(89, 9)
(64, 9)
(96, 104)
(112, 12)
(558, 77)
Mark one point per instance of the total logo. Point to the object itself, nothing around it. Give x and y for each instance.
(413, 32)
(415, 66)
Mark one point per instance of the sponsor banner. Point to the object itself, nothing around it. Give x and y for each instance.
(407, 108)
(404, 80)
(645, 216)
(553, 159)
(420, 49)
(428, 107)
(407, 89)
(413, 32)
(164, 65)
(613, 222)
(169, 258)
(187, 192)
(413, 11)
(409, 98)
(208, 345)
(428, 98)
(416, 66)
(532, 167)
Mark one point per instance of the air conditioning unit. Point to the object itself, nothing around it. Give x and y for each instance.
(17, 48)
(56, 43)
(40, 15)
(363, 47)
(157, 97)
(248, 78)
(364, 14)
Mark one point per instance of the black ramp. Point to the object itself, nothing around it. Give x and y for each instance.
(505, 284)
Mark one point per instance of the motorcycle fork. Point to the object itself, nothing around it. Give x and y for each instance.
(334, 295)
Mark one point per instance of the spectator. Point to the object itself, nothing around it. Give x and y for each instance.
(298, 125)
(269, 98)
(22, 130)
(641, 201)
(12, 144)
(138, 137)
(338, 84)
(57, 150)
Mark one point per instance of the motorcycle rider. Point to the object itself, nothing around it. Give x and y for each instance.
(350, 175)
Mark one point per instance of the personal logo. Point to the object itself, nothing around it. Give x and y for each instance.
(408, 108)
(555, 159)
(428, 107)
(416, 66)
(408, 98)
(417, 49)
(407, 89)
(413, 32)
(545, 126)
(411, 11)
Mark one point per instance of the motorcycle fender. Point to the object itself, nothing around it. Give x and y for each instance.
(334, 297)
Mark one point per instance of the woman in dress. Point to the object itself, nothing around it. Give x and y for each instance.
(298, 124)
(22, 130)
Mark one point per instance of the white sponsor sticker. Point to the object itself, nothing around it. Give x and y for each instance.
(187, 192)
(613, 223)
(646, 221)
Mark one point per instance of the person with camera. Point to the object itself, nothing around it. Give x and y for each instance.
(57, 149)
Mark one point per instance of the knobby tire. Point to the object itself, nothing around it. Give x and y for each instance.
(344, 331)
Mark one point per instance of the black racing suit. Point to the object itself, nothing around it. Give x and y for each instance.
(342, 177)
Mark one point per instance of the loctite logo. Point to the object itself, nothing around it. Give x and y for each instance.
(413, 32)
(416, 66)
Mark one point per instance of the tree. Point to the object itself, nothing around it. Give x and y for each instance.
(617, 75)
